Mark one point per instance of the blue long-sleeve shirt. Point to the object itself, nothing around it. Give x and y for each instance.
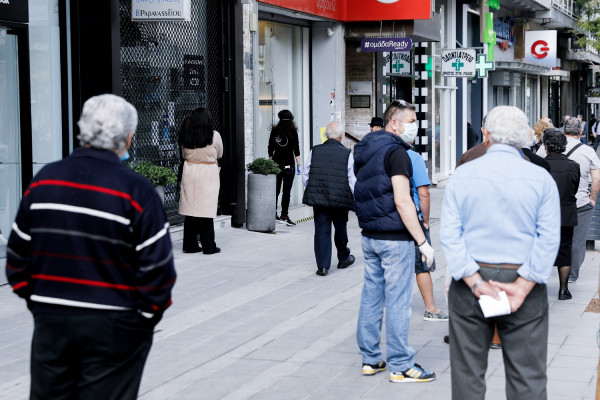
(500, 208)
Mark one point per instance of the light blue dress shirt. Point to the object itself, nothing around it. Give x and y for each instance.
(497, 209)
(351, 177)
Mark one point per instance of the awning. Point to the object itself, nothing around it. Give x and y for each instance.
(521, 66)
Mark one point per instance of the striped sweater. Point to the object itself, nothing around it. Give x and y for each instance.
(91, 234)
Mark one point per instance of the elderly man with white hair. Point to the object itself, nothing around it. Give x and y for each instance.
(500, 231)
(90, 253)
(329, 179)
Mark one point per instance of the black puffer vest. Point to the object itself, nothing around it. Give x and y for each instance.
(328, 184)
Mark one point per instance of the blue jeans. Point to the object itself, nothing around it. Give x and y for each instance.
(389, 270)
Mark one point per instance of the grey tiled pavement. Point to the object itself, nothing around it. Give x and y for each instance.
(255, 322)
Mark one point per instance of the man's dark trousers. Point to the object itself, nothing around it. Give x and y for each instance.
(524, 336)
(92, 355)
(324, 217)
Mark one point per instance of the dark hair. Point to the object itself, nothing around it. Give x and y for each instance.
(554, 140)
(197, 130)
(286, 125)
(394, 107)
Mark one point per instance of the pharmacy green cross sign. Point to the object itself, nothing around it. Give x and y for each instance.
(483, 66)
(397, 66)
(457, 64)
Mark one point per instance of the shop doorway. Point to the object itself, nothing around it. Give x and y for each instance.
(401, 88)
(14, 88)
(283, 84)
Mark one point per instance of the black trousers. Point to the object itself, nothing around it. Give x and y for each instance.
(524, 336)
(324, 217)
(286, 176)
(89, 356)
(193, 226)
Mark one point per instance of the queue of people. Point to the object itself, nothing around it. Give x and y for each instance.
(509, 215)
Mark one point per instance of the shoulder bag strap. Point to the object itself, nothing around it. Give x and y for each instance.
(573, 149)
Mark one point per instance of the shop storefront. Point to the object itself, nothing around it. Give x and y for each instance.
(283, 78)
(31, 99)
(169, 67)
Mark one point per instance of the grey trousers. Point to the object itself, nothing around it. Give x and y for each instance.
(584, 218)
(524, 336)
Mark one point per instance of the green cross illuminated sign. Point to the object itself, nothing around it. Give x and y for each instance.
(397, 66)
(483, 66)
(458, 65)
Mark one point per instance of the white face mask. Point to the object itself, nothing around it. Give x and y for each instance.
(410, 132)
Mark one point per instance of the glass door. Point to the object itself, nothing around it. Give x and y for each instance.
(10, 135)
(283, 79)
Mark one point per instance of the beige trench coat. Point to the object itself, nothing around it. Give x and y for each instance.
(200, 180)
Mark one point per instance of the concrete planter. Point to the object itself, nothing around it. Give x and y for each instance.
(260, 215)
(161, 193)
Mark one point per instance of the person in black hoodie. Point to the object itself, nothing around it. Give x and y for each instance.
(283, 148)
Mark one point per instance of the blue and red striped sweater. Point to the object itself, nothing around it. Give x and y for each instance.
(91, 234)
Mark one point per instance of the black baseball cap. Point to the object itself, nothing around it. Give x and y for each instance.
(376, 121)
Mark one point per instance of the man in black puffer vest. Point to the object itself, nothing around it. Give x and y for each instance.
(329, 180)
(390, 227)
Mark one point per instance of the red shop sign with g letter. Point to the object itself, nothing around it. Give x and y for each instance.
(359, 10)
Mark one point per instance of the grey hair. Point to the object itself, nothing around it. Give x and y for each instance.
(106, 122)
(508, 125)
(334, 130)
(572, 127)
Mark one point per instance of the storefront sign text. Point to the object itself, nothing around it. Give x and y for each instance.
(14, 10)
(505, 30)
(161, 10)
(386, 44)
(458, 63)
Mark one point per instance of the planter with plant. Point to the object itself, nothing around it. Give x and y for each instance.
(262, 203)
(157, 175)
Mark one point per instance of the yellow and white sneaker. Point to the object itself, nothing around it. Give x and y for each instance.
(414, 374)
(372, 369)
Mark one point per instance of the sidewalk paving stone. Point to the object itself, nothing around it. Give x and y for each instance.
(255, 322)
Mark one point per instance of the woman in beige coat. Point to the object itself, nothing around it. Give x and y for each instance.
(201, 147)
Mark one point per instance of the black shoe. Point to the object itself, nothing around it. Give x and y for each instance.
(217, 250)
(287, 221)
(345, 264)
(564, 294)
(322, 271)
(447, 339)
(198, 250)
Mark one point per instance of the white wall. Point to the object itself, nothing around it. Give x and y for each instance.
(328, 76)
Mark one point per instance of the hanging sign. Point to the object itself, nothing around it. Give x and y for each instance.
(458, 63)
(540, 47)
(400, 64)
(483, 66)
(386, 44)
(156, 10)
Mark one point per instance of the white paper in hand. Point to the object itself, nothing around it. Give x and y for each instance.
(492, 307)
